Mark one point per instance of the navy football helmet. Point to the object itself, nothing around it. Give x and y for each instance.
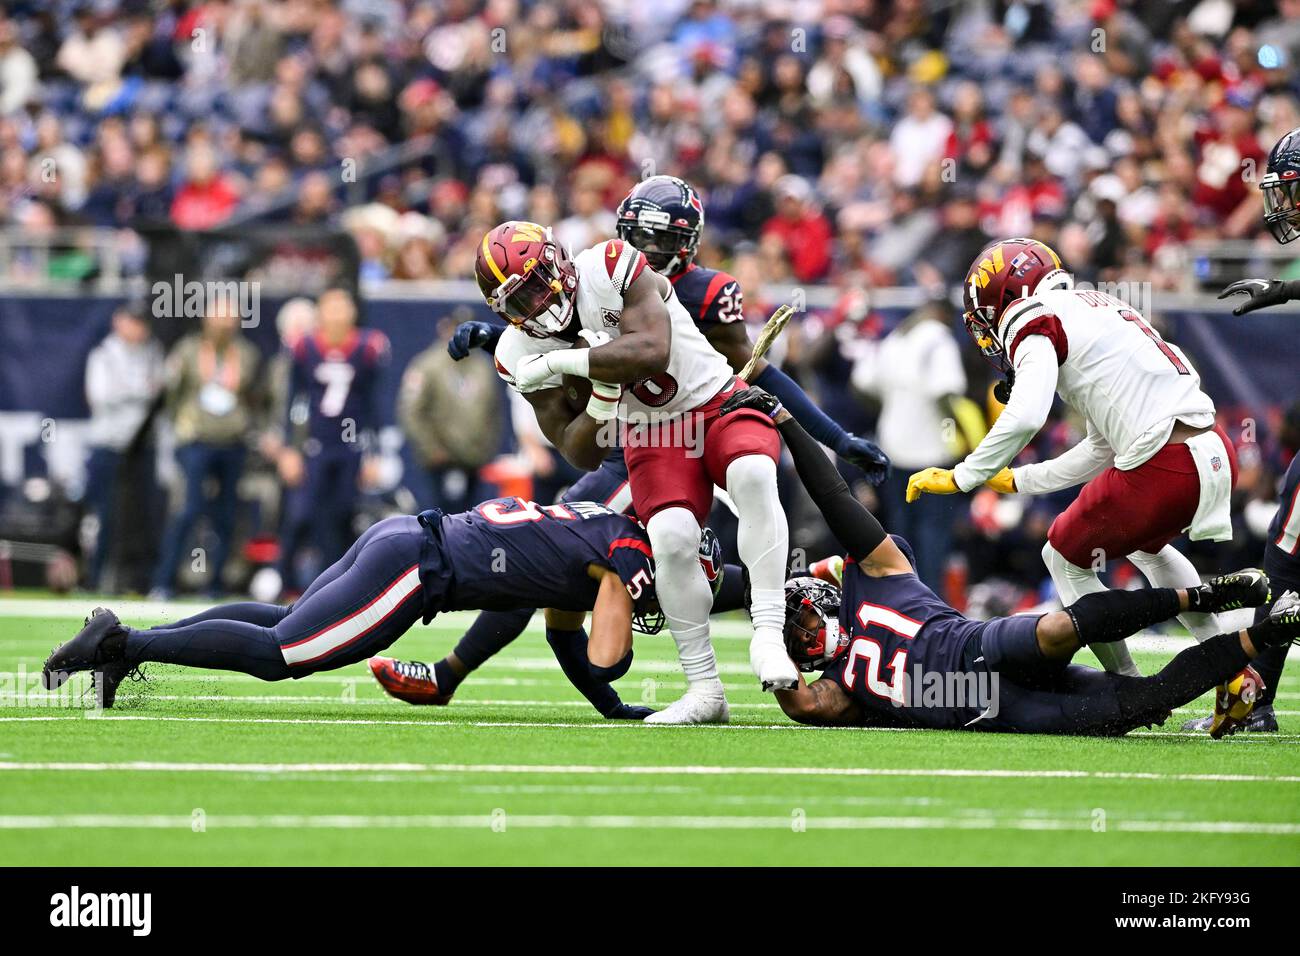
(813, 635)
(663, 216)
(648, 616)
(1281, 186)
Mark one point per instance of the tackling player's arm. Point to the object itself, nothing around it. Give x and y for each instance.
(822, 703)
(856, 528)
(1262, 293)
(731, 341)
(611, 619)
(576, 437)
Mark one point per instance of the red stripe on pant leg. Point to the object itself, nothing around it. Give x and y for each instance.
(377, 598)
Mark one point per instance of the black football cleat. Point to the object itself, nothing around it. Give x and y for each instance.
(1281, 627)
(1228, 592)
(84, 652)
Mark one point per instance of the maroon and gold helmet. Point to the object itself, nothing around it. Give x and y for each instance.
(1004, 272)
(527, 277)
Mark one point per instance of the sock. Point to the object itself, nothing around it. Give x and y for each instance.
(731, 596)
(1106, 616)
(762, 538)
(491, 631)
(445, 677)
(1169, 568)
(684, 593)
(221, 645)
(1073, 582)
(1269, 664)
(1190, 674)
(608, 675)
(814, 421)
(570, 649)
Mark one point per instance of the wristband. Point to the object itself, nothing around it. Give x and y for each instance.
(603, 404)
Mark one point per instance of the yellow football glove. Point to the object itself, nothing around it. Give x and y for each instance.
(931, 481)
(1004, 482)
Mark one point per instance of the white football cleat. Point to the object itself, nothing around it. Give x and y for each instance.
(771, 664)
(703, 703)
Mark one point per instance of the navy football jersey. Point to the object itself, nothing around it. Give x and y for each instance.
(1282, 559)
(712, 297)
(511, 553)
(899, 632)
(341, 385)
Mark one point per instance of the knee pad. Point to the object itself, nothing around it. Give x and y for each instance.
(751, 475)
(674, 533)
(612, 673)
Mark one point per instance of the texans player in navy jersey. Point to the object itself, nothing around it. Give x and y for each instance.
(505, 554)
(894, 654)
(663, 217)
(338, 370)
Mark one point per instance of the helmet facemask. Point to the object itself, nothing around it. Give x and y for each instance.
(1282, 206)
(813, 634)
(667, 247)
(539, 299)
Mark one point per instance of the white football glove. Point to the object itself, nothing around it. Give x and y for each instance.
(594, 339)
(532, 370)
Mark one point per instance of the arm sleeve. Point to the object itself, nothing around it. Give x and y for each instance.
(1081, 463)
(856, 528)
(818, 424)
(1031, 400)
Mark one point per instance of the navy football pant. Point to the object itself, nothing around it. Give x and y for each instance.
(358, 607)
(1035, 695)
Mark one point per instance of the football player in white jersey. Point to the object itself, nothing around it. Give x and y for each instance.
(654, 371)
(1154, 461)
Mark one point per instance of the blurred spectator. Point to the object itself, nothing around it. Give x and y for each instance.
(206, 198)
(452, 414)
(800, 228)
(124, 374)
(215, 401)
(337, 371)
(18, 72)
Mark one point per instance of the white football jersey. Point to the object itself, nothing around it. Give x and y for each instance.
(696, 371)
(1115, 369)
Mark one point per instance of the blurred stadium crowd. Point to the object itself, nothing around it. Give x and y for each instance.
(850, 143)
(1116, 131)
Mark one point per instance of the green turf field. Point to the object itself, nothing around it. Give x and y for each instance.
(196, 767)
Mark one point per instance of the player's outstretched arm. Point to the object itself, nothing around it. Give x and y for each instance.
(732, 341)
(474, 334)
(611, 623)
(1261, 293)
(856, 528)
(576, 437)
(822, 703)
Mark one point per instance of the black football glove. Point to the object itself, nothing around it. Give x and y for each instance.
(755, 398)
(473, 335)
(1261, 293)
(629, 712)
(867, 455)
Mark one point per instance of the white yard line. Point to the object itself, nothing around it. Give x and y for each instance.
(150, 766)
(505, 822)
(721, 628)
(544, 725)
